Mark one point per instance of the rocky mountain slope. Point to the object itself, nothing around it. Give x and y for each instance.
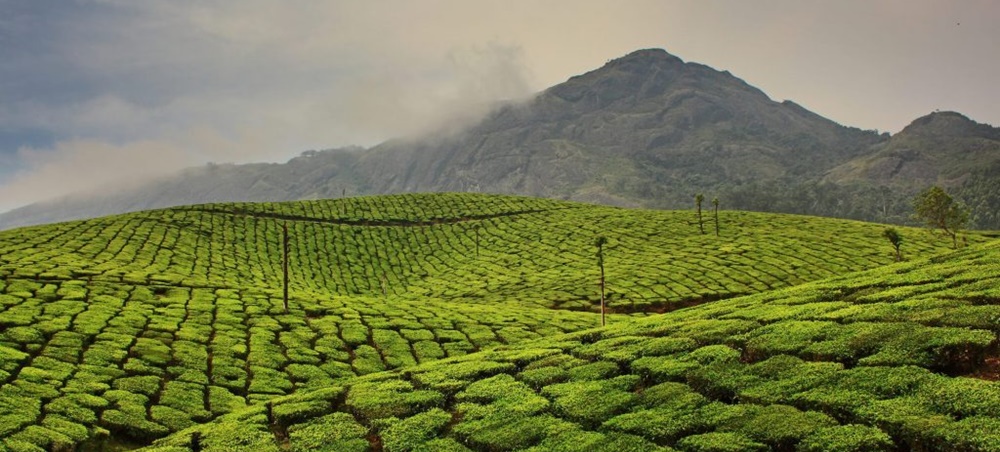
(647, 129)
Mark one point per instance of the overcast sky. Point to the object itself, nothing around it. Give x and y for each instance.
(100, 91)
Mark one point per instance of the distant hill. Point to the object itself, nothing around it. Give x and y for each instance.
(646, 129)
(943, 148)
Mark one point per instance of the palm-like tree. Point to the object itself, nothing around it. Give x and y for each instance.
(715, 204)
(697, 202)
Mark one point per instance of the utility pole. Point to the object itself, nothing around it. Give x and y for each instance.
(284, 262)
(476, 227)
(600, 262)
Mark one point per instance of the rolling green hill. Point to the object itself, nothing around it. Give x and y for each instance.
(120, 330)
(903, 357)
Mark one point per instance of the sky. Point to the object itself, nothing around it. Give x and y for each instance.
(104, 93)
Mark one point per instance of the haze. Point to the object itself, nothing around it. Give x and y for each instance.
(97, 93)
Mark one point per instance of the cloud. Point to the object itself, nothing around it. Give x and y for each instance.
(263, 80)
(170, 84)
(85, 166)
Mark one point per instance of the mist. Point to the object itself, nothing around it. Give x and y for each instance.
(146, 88)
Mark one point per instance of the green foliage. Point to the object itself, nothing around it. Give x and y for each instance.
(378, 400)
(719, 442)
(332, 432)
(592, 402)
(893, 236)
(847, 438)
(412, 432)
(169, 322)
(938, 210)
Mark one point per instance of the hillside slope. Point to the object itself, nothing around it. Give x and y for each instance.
(942, 148)
(646, 129)
(120, 330)
(531, 249)
(899, 358)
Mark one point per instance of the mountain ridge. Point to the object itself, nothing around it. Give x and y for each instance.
(644, 130)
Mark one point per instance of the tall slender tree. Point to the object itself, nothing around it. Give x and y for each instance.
(697, 202)
(715, 204)
(600, 242)
(895, 239)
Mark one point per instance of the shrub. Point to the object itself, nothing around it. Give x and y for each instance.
(378, 400)
(719, 442)
(170, 417)
(502, 431)
(782, 426)
(290, 413)
(662, 424)
(592, 402)
(132, 423)
(543, 376)
(42, 437)
(147, 385)
(333, 432)
(598, 370)
(847, 438)
(407, 434)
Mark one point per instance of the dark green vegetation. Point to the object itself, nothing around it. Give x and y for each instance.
(938, 210)
(121, 330)
(647, 129)
(897, 358)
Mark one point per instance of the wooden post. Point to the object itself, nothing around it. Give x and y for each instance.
(602, 292)
(284, 263)
(476, 227)
(600, 262)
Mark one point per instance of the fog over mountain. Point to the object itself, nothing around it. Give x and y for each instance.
(646, 129)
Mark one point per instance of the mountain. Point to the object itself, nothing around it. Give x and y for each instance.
(312, 175)
(940, 148)
(646, 129)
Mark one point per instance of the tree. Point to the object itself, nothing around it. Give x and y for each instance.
(895, 239)
(697, 202)
(600, 242)
(937, 209)
(715, 204)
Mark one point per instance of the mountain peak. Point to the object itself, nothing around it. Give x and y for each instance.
(649, 55)
(949, 123)
(641, 60)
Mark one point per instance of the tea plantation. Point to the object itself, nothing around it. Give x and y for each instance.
(899, 358)
(117, 331)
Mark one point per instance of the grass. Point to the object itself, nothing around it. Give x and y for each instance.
(122, 330)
